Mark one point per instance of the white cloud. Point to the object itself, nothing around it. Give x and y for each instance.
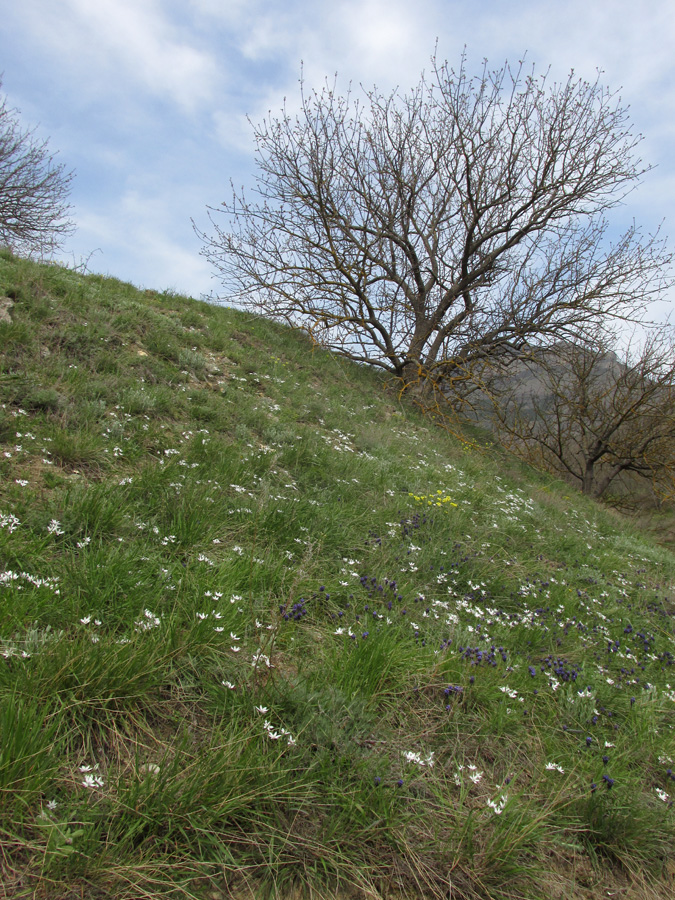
(124, 44)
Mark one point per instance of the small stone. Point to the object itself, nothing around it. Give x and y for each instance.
(5, 305)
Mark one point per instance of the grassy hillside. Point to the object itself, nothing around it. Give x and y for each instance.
(266, 631)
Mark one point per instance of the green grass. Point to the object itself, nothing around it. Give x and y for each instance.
(266, 630)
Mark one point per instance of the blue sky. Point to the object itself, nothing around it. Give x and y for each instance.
(147, 100)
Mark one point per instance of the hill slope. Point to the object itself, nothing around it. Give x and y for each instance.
(267, 630)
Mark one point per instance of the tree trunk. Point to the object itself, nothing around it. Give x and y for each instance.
(588, 479)
(416, 384)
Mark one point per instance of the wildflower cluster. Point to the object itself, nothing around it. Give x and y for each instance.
(277, 734)
(440, 498)
(296, 612)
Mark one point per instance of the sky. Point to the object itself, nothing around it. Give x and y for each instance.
(149, 101)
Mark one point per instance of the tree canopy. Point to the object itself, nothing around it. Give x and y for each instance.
(425, 231)
(592, 414)
(33, 189)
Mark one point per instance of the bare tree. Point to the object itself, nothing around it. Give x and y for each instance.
(33, 190)
(590, 414)
(425, 232)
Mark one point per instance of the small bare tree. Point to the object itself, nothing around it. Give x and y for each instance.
(33, 190)
(590, 415)
(425, 232)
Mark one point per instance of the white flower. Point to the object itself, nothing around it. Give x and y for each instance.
(417, 758)
(261, 709)
(55, 527)
(150, 620)
(235, 649)
(52, 804)
(269, 728)
(554, 766)
(92, 781)
(86, 620)
(509, 691)
(9, 521)
(498, 805)
(234, 636)
(276, 735)
(662, 795)
(228, 684)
